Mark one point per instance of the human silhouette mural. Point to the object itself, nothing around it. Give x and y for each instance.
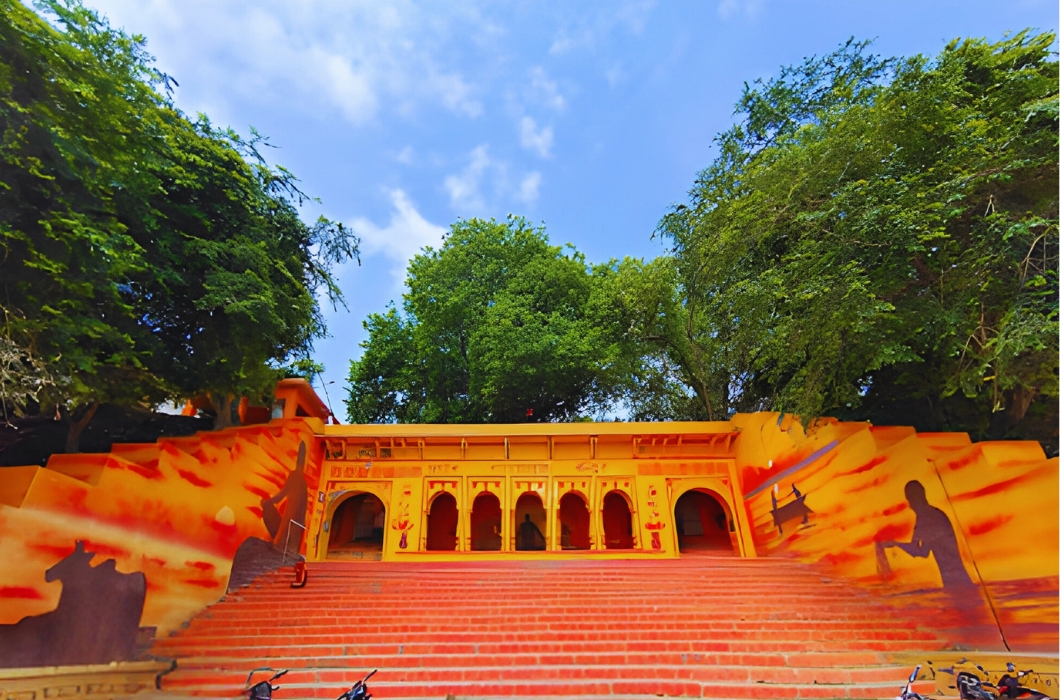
(296, 491)
(932, 534)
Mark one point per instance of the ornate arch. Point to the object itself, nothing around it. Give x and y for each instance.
(379, 489)
(631, 503)
(720, 490)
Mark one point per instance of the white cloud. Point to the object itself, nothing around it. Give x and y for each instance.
(455, 94)
(533, 139)
(463, 187)
(749, 8)
(561, 45)
(634, 14)
(356, 59)
(592, 29)
(405, 155)
(404, 236)
(544, 90)
(528, 188)
(484, 183)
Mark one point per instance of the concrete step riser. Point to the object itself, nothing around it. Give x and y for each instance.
(691, 627)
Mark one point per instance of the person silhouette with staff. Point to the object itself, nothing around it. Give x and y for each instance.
(932, 534)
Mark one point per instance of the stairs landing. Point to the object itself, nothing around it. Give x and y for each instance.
(703, 626)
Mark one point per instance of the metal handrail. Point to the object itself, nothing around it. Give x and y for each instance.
(287, 542)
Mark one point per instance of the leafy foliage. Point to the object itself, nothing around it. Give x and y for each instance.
(496, 322)
(143, 255)
(876, 230)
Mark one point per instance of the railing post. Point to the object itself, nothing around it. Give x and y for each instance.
(287, 542)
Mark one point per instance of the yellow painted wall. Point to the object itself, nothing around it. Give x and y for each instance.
(178, 509)
(650, 465)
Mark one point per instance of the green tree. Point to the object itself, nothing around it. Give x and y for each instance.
(143, 256)
(230, 290)
(496, 322)
(69, 102)
(878, 232)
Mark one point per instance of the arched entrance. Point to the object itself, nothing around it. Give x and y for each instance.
(573, 522)
(357, 527)
(486, 523)
(618, 522)
(528, 509)
(441, 523)
(701, 523)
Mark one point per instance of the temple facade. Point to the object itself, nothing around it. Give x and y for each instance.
(934, 519)
(402, 492)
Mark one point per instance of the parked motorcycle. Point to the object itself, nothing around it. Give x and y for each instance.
(971, 687)
(907, 692)
(1011, 687)
(359, 691)
(262, 690)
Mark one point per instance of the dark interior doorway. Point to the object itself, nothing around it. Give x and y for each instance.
(357, 526)
(530, 523)
(701, 523)
(486, 523)
(441, 524)
(618, 522)
(573, 522)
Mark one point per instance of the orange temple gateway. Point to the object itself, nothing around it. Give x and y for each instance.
(965, 532)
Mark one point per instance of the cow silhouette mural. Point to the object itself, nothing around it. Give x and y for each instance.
(793, 510)
(96, 621)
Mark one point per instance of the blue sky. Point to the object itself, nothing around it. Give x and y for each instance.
(591, 117)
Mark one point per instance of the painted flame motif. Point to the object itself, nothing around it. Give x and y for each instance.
(989, 493)
(176, 511)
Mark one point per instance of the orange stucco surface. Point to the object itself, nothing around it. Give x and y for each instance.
(834, 494)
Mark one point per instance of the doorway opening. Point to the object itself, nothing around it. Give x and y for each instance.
(441, 523)
(618, 522)
(702, 523)
(573, 522)
(530, 537)
(356, 528)
(486, 523)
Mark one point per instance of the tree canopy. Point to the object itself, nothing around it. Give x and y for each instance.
(497, 326)
(875, 233)
(143, 255)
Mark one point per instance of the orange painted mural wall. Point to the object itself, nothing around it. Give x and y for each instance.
(175, 510)
(853, 481)
(849, 496)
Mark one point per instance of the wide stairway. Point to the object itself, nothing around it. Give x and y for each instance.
(702, 626)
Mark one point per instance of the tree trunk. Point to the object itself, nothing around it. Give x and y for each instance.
(1019, 401)
(223, 405)
(73, 438)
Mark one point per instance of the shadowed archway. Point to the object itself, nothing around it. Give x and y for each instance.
(486, 523)
(442, 523)
(530, 523)
(618, 522)
(573, 522)
(701, 523)
(356, 527)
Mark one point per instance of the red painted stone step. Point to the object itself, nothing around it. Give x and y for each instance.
(702, 627)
